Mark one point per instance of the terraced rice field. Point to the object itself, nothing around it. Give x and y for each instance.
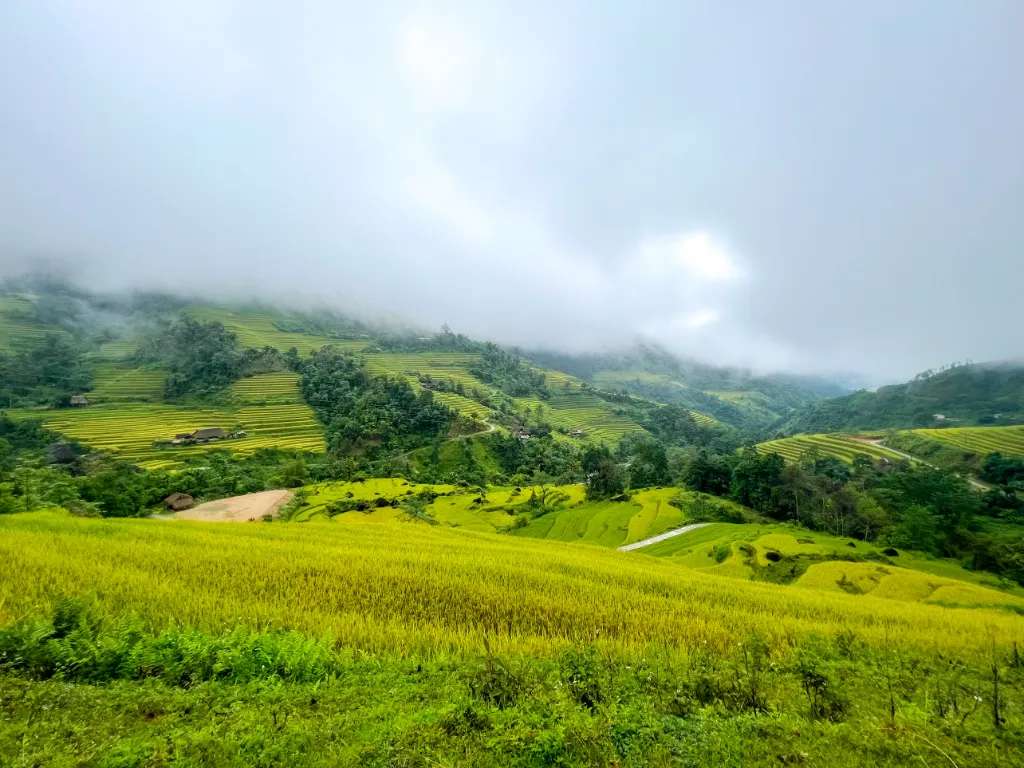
(704, 419)
(842, 447)
(280, 387)
(437, 365)
(119, 349)
(125, 383)
(128, 430)
(442, 366)
(258, 328)
(15, 324)
(980, 440)
(735, 550)
(581, 410)
(463, 405)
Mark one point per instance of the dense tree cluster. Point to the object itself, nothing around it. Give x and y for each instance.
(44, 372)
(368, 416)
(203, 358)
(509, 373)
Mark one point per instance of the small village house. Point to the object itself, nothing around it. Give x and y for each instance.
(179, 501)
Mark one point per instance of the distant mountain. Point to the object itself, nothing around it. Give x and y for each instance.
(962, 395)
(732, 395)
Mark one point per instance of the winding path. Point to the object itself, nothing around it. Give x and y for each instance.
(661, 537)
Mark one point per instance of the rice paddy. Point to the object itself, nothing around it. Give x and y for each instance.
(125, 383)
(980, 440)
(843, 447)
(411, 588)
(262, 328)
(17, 325)
(851, 566)
(128, 430)
(569, 408)
(577, 410)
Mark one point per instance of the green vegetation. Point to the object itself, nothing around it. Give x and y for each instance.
(443, 587)
(846, 448)
(964, 394)
(47, 371)
(344, 635)
(980, 440)
(141, 432)
(509, 373)
(19, 324)
(366, 415)
(258, 327)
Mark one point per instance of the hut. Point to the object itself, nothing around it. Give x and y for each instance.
(78, 401)
(209, 433)
(179, 501)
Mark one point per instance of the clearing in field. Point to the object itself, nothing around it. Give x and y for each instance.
(238, 509)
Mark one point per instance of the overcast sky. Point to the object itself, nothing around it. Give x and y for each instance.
(812, 186)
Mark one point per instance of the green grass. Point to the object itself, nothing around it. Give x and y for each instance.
(980, 440)
(842, 447)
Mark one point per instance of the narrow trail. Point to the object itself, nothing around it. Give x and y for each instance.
(662, 537)
(971, 479)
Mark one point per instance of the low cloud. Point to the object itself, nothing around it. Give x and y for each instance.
(779, 187)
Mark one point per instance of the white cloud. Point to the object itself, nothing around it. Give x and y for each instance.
(437, 61)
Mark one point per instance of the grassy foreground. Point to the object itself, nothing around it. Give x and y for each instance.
(391, 643)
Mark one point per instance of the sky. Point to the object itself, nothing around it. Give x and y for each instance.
(810, 187)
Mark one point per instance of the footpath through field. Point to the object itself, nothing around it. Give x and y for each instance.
(661, 537)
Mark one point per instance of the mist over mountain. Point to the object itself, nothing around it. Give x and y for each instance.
(786, 188)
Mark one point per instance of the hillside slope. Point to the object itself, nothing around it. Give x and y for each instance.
(963, 395)
(380, 644)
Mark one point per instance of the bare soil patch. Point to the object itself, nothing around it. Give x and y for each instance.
(238, 509)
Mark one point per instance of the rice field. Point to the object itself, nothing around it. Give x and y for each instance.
(116, 350)
(129, 430)
(259, 328)
(735, 550)
(572, 410)
(409, 588)
(15, 325)
(842, 447)
(126, 383)
(980, 440)
(648, 512)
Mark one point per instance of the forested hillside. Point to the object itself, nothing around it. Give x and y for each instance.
(962, 395)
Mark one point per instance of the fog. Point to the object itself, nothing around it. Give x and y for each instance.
(813, 187)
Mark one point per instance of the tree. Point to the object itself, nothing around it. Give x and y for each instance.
(648, 464)
(755, 479)
(604, 477)
(708, 473)
(915, 530)
(202, 357)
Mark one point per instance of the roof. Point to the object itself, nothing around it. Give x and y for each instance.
(209, 432)
(178, 501)
(76, 399)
